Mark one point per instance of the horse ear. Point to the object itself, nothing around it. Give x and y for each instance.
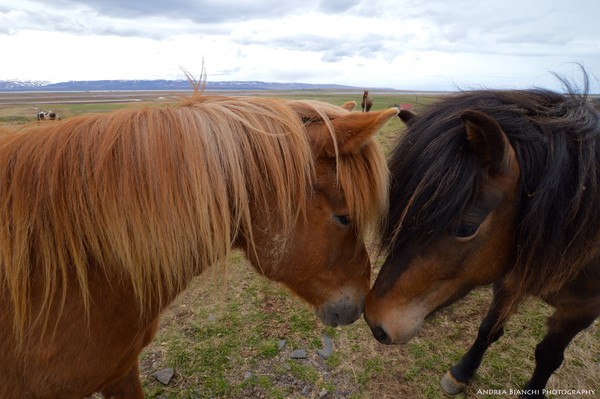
(406, 116)
(349, 105)
(354, 129)
(487, 139)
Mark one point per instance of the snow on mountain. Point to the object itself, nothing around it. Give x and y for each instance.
(20, 85)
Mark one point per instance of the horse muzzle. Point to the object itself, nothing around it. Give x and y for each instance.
(396, 327)
(340, 312)
(400, 337)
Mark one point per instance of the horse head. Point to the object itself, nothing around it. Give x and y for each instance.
(324, 259)
(456, 252)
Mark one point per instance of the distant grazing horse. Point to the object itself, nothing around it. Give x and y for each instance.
(367, 102)
(46, 115)
(106, 218)
(495, 187)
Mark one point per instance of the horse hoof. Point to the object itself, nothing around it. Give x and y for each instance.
(450, 385)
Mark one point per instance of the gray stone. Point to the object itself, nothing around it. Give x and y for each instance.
(298, 354)
(281, 344)
(323, 393)
(247, 375)
(164, 376)
(327, 347)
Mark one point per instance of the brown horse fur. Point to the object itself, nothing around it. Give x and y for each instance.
(106, 218)
(494, 187)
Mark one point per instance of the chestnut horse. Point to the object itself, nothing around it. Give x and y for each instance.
(494, 187)
(367, 102)
(106, 218)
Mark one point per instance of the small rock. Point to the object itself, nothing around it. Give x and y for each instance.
(212, 317)
(327, 348)
(287, 366)
(247, 375)
(323, 393)
(281, 344)
(298, 354)
(164, 376)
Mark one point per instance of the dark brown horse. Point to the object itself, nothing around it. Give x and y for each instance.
(494, 187)
(106, 218)
(367, 102)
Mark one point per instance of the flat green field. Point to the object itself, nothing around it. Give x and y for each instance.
(222, 336)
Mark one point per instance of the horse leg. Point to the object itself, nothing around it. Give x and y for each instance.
(490, 330)
(563, 326)
(127, 387)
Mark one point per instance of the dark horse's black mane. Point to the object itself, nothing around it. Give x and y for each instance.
(557, 141)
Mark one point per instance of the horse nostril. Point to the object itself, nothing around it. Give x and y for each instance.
(335, 320)
(380, 335)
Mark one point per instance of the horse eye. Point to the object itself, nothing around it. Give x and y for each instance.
(344, 220)
(464, 230)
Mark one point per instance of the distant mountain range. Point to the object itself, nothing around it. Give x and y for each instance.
(172, 85)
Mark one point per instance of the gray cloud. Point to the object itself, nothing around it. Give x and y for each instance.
(129, 18)
(337, 6)
(211, 11)
(333, 48)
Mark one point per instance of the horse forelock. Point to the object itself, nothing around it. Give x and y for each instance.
(556, 139)
(364, 180)
(433, 178)
(151, 194)
(362, 176)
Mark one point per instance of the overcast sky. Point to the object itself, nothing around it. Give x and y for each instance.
(402, 44)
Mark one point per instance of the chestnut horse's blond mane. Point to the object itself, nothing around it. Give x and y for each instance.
(154, 195)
